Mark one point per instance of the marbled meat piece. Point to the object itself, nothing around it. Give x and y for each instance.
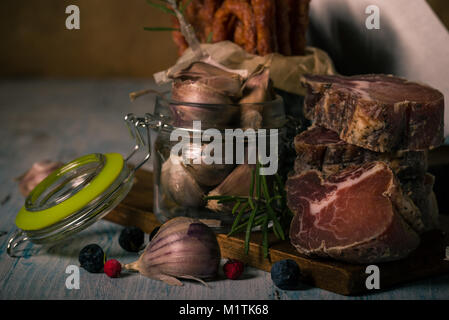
(357, 215)
(378, 112)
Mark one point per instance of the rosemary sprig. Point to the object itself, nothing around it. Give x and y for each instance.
(183, 6)
(164, 8)
(239, 216)
(209, 37)
(262, 208)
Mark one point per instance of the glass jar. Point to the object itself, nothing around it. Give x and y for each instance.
(80, 192)
(187, 168)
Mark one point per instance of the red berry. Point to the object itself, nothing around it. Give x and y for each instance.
(233, 269)
(112, 268)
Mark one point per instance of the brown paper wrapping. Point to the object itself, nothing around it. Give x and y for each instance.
(285, 71)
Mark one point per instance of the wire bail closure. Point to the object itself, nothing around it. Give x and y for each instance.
(135, 127)
(139, 129)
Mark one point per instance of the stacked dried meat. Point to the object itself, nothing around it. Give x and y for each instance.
(322, 149)
(360, 191)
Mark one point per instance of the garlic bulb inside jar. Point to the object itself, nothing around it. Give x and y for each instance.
(206, 93)
(178, 183)
(207, 175)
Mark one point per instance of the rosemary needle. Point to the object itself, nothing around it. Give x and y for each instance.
(249, 227)
(237, 219)
(236, 206)
(265, 236)
(161, 7)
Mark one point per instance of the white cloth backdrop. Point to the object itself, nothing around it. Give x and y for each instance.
(411, 42)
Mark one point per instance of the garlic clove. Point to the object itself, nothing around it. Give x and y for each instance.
(208, 175)
(38, 172)
(216, 109)
(237, 183)
(230, 87)
(180, 185)
(251, 117)
(182, 248)
(204, 83)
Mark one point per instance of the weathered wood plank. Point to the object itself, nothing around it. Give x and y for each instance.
(63, 119)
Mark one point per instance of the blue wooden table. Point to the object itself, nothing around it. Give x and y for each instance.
(63, 119)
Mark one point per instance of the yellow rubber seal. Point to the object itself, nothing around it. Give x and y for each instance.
(35, 220)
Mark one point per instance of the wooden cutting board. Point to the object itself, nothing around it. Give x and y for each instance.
(343, 278)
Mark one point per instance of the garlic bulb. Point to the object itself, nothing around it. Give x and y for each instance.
(208, 175)
(197, 101)
(180, 185)
(215, 88)
(197, 92)
(224, 81)
(204, 83)
(237, 183)
(182, 248)
(38, 172)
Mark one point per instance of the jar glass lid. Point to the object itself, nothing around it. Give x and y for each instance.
(69, 189)
(79, 193)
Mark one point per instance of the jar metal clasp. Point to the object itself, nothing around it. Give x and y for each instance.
(59, 197)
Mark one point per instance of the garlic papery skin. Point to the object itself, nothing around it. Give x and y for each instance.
(196, 92)
(224, 82)
(182, 248)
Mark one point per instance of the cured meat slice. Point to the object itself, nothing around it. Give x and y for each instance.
(377, 112)
(354, 216)
(322, 149)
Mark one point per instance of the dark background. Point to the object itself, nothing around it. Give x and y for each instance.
(110, 43)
